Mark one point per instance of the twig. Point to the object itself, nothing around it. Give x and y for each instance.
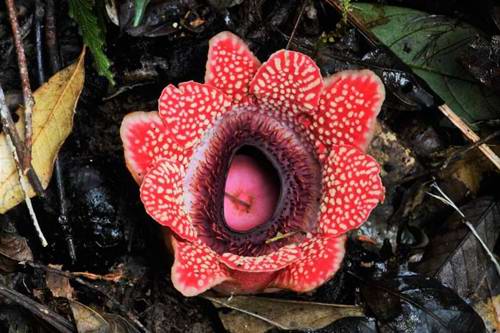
(76, 277)
(469, 134)
(25, 81)
(39, 13)
(8, 128)
(11, 131)
(447, 201)
(55, 66)
(237, 200)
(51, 37)
(292, 35)
(41, 311)
(255, 315)
(466, 149)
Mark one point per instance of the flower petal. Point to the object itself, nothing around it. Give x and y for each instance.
(246, 282)
(321, 258)
(145, 140)
(162, 196)
(352, 188)
(230, 66)
(196, 268)
(265, 263)
(289, 82)
(190, 109)
(348, 107)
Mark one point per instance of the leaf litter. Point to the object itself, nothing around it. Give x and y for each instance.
(129, 282)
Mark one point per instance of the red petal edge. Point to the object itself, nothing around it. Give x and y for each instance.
(289, 82)
(265, 263)
(348, 107)
(321, 258)
(230, 66)
(196, 268)
(191, 109)
(145, 140)
(352, 189)
(162, 196)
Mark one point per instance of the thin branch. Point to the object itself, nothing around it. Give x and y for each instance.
(51, 37)
(469, 134)
(292, 35)
(27, 94)
(466, 149)
(53, 52)
(76, 277)
(447, 201)
(9, 129)
(249, 313)
(41, 311)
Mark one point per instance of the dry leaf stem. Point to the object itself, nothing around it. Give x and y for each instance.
(25, 81)
(51, 37)
(441, 196)
(296, 25)
(77, 278)
(41, 311)
(52, 47)
(469, 134)
(9, 129)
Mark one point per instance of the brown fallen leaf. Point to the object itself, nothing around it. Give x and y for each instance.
(397, 161)
(489, 310)
(55, 104)
(13, 249)
(88, 320)
(59, 285)
(250, 314)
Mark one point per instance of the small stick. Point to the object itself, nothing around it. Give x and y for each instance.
(74, 276)
(41, 311)
(292, 35)
(447, 201)
(28, 96)
(10, 130)
(5, 114)
(51, 37)
(55, 63)
(39, 13)
(469, 134)
(238, 201)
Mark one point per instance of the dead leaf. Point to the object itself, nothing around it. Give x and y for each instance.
(59, 285)
(397, 161)
(88, 320)
(489, 310)
(13, 249)
(250, 314)
(55, 104)
(454, 255)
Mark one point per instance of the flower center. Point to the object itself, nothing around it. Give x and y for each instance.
(251, 181)
(252, 190)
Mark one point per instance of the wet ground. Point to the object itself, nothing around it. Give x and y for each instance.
(106, 221)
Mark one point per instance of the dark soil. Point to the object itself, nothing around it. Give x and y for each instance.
(107, 223)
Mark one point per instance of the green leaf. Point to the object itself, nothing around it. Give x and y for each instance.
(140, 8)
(92, 33)
(431, 45)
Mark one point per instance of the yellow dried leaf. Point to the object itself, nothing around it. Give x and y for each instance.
(253, 314)
(55, 104)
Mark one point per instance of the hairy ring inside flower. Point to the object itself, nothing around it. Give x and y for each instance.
(264, 148)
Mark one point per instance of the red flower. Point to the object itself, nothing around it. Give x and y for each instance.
(258, 172)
